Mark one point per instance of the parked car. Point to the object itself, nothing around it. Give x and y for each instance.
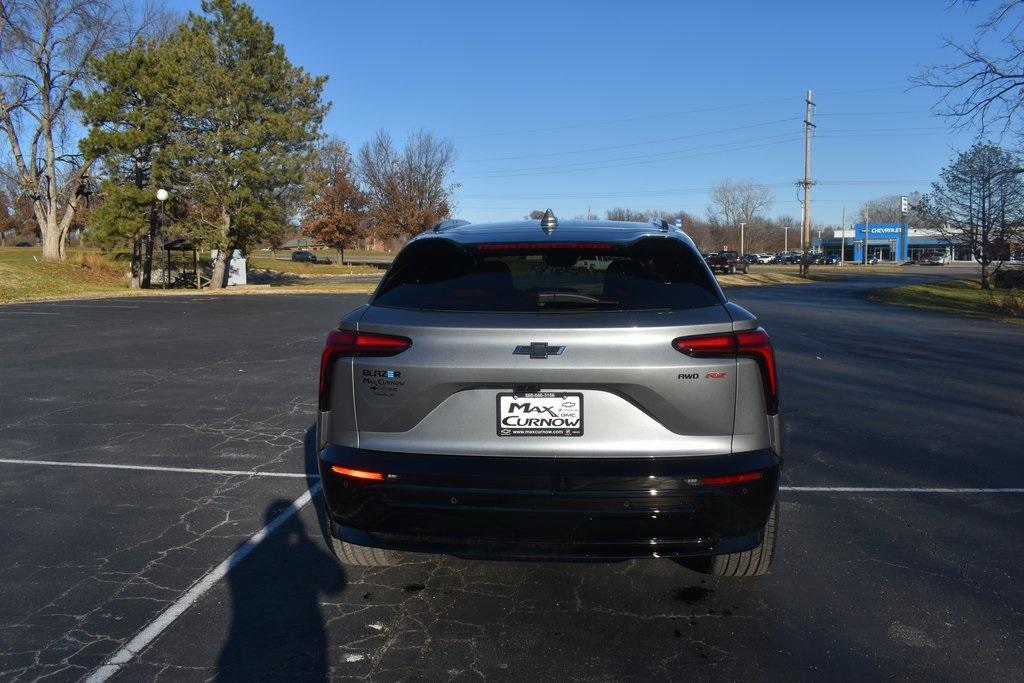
(23, 244)
(727, 262)
(764, 258)
(786, 257)
(310, 257)
(833, 260)
(478, 408)
(935, 260)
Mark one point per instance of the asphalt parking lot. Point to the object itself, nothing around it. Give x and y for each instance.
(143, 443)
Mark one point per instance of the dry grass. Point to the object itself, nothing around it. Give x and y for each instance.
(762, 278)
(23, 277)
(90, 274)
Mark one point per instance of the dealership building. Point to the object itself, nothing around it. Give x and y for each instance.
(886, 242)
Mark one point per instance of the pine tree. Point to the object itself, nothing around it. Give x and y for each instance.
(249, 120)
(132, 129)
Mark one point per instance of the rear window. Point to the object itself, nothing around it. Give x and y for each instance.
(653, 273)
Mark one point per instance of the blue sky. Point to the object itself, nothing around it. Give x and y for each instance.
(638, 104)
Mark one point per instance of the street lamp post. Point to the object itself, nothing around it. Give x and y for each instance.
(785, 238)
(742, 241)
(161, 196)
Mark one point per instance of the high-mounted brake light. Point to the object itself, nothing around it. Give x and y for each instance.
(751, 344)
(346, 343)
(535, 246)
(357, 474)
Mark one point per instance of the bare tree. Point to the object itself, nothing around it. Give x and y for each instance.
(739, 201)
(983, 86)
(622, 214)
(978, 203)
(336, 212)
(410, 190)
(46, 47)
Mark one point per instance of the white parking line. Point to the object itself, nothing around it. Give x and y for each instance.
(157, 468)
(150, 632)
(147, 635)
(50, 305)
(300, 475)
(895, 489)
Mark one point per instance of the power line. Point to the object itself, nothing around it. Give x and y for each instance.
(654, 156)
(631, 144)
(629, 161)
(875, 113)
(612, 194)
(701, 110)
(608, 122)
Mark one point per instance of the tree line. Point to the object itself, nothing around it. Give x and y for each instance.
(102, 106)
(732, 202)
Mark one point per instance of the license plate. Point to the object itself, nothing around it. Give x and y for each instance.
(540, 414)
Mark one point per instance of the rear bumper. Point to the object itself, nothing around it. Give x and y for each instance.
(548, 508)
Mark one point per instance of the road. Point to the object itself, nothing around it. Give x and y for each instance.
(913, 584)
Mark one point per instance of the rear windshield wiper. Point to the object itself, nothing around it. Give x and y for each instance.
(544, 298)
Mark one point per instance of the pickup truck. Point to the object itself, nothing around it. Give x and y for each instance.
(727, 262)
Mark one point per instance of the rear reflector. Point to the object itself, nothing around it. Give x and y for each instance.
(751, 344)
(347, 343)
(730, 479)
(357, 474)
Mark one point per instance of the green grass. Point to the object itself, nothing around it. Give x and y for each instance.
(268, 261)
(962, 297)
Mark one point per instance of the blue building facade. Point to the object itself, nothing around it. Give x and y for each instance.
(888, 238)
(889, 242)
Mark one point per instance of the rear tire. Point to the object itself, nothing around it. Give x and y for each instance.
(749, 562)
(361, 555)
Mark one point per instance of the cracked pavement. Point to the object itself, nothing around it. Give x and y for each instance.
(864, 585)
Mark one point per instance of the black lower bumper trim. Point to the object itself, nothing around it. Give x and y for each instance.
(554, 508)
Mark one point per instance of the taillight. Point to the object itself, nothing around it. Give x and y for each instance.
(357, 474)
(709, 345)
(346, 343)
(753, 344)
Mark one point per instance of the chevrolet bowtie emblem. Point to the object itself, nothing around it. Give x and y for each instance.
(538, 350)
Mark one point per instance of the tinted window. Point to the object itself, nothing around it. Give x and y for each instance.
(654, 273)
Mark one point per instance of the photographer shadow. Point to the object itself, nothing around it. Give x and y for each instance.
(277, 628)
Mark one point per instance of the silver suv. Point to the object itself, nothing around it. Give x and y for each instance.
(538, 390)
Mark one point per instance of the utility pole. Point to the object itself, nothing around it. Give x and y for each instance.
(785, 238)
(867, 231)
(805, 232)
(904, 240)
(842, 240)
(742, 241)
